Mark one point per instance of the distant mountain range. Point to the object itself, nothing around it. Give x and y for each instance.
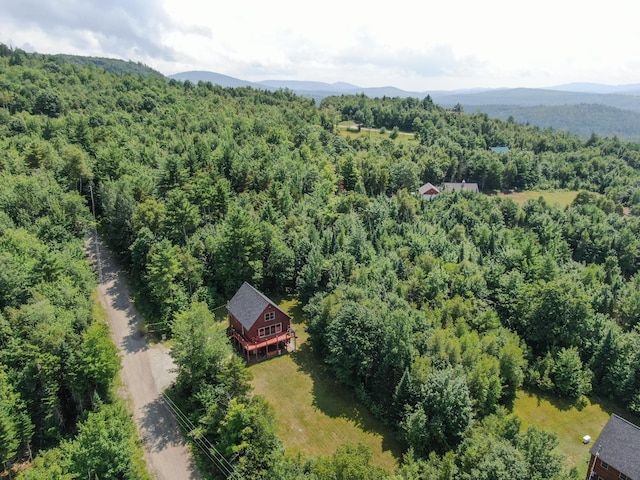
(579, 108)
(626, 97)
(582, 119)
(315, 90)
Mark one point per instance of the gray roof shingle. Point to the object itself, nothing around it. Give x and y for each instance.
(619, 446)
(426, 187)
(456, 187)
(247, 305)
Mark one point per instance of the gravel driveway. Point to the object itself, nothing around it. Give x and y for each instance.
(146, 372)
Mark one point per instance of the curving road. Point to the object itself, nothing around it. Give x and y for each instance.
(146, 372)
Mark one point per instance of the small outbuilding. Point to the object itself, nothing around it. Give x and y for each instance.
(258, 328)
(500, 149)
(428, 191)
(615, 454)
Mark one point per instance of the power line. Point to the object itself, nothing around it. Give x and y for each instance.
(186, 424)
(221, 466)
(95, 235)
(203, 443)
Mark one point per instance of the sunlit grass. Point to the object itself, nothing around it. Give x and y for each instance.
(567, 422)
(349, 129)
(315, 414)
(558, 197)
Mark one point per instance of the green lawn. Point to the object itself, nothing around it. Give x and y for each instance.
(315, 414)
(560, 197)
(569, 423)
(348, 129)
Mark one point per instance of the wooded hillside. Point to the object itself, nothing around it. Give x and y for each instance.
(434, 312)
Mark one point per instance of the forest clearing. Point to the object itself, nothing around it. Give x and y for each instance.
(569, 423)
(561, 198)
(314, 412)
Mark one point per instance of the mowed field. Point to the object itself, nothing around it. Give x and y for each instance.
(314, 413)
(568, 423)
(349, 129)
(559, 197)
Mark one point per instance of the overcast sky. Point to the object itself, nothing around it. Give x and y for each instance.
(414, 45)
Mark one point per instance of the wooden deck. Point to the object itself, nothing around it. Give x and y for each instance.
(261, 349)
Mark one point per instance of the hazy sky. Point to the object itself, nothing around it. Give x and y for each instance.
(414, 45)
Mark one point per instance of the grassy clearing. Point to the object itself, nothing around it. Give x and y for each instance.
(569, 423)
(315, 414)
(349, 129)
(559, 197)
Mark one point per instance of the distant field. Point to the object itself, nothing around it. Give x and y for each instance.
(315, 414)
(347, 129)
(567, 422)
(560, 197)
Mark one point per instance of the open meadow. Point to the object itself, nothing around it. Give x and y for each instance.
(349, 129)
(314, 412)
(567, 422)
(558, 197)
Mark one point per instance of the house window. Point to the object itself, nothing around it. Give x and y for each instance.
(622, 476)
(604, 465)
(269, 316)
(270, 330)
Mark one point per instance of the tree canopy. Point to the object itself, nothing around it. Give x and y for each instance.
(422, 307)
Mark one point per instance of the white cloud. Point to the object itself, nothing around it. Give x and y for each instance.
(415, 45)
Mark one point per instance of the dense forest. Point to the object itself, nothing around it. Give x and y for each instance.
(582, 119)
(435, 312)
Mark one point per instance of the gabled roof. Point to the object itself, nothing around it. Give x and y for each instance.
(619, 446)
(500, 149)
(456, 187)
(248, 304)
(426, 187)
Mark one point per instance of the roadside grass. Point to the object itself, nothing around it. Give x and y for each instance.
(567, 422)
(559, 197)
(314, 412)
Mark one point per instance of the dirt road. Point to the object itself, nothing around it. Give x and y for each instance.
(146, 372)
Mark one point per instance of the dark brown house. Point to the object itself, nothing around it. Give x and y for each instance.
(257, 327)
(615, 455)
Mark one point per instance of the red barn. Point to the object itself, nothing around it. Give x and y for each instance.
(257, 327)
(614, 455)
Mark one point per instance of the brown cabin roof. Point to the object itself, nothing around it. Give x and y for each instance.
(248, 304)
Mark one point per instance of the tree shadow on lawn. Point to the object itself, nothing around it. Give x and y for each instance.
(562, 404)
(338, 401)
(565, 404)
